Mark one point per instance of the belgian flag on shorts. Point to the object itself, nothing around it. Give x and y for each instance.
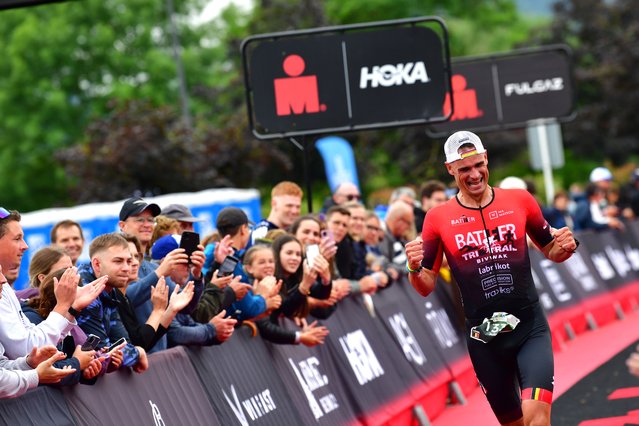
(537, 394)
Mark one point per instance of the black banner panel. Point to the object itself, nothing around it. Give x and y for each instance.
(608, 258)
(346, 78)
(628, 294)
(372, 366)
(444, 336)
(168, 393)
(508, 90)
(11, 4)
(242, 384)
(560, 295)
(40, 406)
(313, 382)
(555, 292)
(410, 333)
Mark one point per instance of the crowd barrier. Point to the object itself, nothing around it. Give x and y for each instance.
(403, 360)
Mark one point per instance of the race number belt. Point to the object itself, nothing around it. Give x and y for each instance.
(500, 322)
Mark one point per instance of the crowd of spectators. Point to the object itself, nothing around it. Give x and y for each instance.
(143, 291)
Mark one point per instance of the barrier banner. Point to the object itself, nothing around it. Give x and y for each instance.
(242, 384)
(436, 321)
(371, 364)
(168, 393)
(449, 341)
(313, 382)
(629, 242)
(449, 296)
(589, 272)
(633, 229)
(402, 322)
(41, 406)
(608, 258)
(555, 292)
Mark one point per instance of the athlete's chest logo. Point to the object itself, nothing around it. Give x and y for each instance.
(486, 241)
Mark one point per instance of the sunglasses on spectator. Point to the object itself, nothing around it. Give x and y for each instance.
(4, 213)
(351, 197)
(373, 228)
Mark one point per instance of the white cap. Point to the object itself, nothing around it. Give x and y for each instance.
(600, 173)
(513, 182)
(456, 140)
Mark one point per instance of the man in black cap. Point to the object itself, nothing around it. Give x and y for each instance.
(182, 214)
(137, 217)
(233, 227)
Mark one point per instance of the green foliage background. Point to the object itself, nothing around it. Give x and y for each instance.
(90, 109)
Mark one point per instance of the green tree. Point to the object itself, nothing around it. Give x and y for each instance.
(138, 147)
(63, 62)
(603, 37)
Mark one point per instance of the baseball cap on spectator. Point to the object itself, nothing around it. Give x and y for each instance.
(457, 140)
(164, 245)
(599, 174)
(179, 212)
(136, 205)
(231, 217)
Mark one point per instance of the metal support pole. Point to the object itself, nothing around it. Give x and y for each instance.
(544, 150)
(184, 98)
(304, 148)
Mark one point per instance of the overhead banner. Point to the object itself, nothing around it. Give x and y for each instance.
(10, 4)
(508, 90)
(352, 77)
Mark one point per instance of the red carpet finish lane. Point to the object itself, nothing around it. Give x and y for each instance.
(592, 384)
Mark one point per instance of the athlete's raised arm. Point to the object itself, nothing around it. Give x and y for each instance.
(562, 246)
(422, 279)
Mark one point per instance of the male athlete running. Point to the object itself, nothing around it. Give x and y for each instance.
(482, 232)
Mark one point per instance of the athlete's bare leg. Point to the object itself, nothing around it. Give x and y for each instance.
(536, 413)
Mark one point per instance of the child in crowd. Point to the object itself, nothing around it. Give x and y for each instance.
(259, 264)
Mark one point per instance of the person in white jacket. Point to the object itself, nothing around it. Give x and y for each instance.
(25, 373)
(19, 375)
(18, 335)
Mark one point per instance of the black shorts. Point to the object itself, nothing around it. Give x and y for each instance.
(514, 361)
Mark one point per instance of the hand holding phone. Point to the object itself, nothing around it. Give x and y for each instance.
(117, 344)
(228, 266)
(312, 251)
(91, 343)
(189, 242)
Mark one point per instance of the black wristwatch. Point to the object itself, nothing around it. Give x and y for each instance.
(74, 312)
(576, 245)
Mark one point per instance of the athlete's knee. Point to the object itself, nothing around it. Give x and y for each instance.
(538, 419)
(536, 413)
